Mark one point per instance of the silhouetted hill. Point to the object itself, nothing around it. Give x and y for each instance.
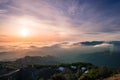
(92, 43)
(28, 60)
(116, 43)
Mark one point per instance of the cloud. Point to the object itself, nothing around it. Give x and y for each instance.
(103, 45)
(2, 11)
(3, 35)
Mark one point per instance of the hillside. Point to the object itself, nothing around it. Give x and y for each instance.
(115, 77)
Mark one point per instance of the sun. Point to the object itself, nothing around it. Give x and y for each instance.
(24, 32)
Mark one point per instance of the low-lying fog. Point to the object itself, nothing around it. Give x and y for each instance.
(13, 50)
(96, 52)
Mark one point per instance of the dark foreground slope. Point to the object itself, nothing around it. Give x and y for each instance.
(74, 71)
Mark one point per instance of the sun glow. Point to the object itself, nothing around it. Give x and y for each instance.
(24, 32)
(25, 25)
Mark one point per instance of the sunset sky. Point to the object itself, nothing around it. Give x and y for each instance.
(59, 20)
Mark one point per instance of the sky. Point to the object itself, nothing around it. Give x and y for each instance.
(59, 20)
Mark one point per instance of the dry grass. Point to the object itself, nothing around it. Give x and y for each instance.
(115, 77)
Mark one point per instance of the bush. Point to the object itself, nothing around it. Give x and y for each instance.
(58, 77)
(92, 75)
